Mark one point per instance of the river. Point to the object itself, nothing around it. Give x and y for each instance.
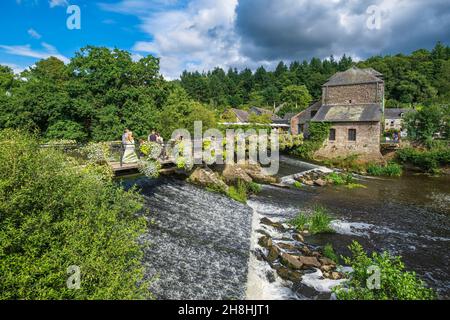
(203, 244)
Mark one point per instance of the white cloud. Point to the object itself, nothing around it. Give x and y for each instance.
(16, 68)
(58, 3)
(27, 51)
(34, 34)
(199, 36)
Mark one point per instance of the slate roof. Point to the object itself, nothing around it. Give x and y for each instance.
(353, 76)
(394, 113)
(349, 113)
(242, 115)
(260, 111)
(305, 115)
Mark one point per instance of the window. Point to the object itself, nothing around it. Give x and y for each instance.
(350, 101)
(332, 136)
(313, 113)
(392, 123)
(351, 134)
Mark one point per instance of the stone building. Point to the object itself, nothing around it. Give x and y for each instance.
(242, 117)
(393, 118)
(352, 102)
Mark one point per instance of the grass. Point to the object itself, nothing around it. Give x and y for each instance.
(254, 188)
(390, 170)
(298, 185)
(328, 252)
(318, 222)
(238, 192)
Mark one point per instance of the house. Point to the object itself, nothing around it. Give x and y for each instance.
(393, 119)
(352, 102)
(241, 117)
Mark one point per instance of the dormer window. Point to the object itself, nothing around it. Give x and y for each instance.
(350, 101)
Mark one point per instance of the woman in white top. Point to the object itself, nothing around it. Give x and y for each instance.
(129, 156)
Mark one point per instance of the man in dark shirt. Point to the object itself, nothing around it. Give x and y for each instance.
(152, 137)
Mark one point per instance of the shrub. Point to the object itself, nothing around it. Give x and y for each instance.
(390, 170)
(318, 133)
(328, 252)
(428, 160)
(318, 222)
(395, 282)
(253, 188)
(54, 214)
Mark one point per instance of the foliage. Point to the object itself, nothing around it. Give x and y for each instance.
(66, 129)
(288, 142)
(238, 192)
(54, 214)
(317, 222)
(265, 118)
(151, 150)
(339, 179)
(318, 133)
(428, 121)
(428, 160)
(295, 98)
(391, 170)
(253, 188)
(149, 167)
(348, 163)
(298, 185)
(97, 152)
(395, 282)
(329, 253)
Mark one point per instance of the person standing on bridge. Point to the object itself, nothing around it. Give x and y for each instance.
(129, 155)
(152, 137)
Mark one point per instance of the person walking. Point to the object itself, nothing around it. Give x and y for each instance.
(152, 137)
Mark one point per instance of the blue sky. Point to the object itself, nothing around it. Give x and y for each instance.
(202, 34)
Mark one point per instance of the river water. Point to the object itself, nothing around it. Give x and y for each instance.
(203, 244)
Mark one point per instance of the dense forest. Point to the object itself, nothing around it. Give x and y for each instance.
(421, 77)
(102, 91)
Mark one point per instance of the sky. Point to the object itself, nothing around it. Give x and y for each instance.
(203, 34)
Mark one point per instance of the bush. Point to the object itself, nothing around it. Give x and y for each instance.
(54, 214)
(318, 133)
(318, 222)
(390, 170)
(298, 185)
(395, 282)
(428, 160)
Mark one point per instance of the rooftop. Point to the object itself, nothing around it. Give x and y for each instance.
(348, 113)
(354, 76)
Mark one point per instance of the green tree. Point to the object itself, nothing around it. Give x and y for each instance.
(295, 99)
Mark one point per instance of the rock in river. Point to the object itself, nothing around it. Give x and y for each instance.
(291, 261)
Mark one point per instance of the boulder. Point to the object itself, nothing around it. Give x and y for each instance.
(326, 268)
(327, 261)
(288, 274)
(291, 261)
(273, 254)
(257, 173)
(232, 173)
(335, 276)
(309, 262)
(306, 250)
(308, 182)
(298, 237)
(205, 177)
(269, 222)
(286, 246)
(320, 182)
(265, 242)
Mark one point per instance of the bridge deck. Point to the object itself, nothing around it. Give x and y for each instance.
(117, 168)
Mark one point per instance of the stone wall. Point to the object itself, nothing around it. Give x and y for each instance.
(367, 143)
(396, 124)
(357, 93)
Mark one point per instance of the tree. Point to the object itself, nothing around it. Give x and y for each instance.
(424, 124)
(295, 98)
